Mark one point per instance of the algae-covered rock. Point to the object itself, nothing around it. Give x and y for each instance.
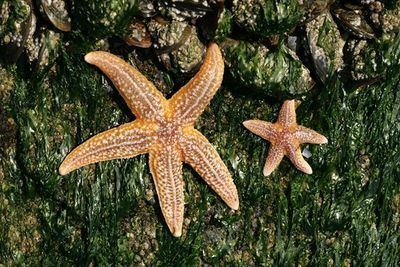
(273, 72)
(190, 54)
(391, 18)
(97, 19)
(223, 26)
(12, 17)
(266, 17)
(354, 21)
(326, 45)
(178, 44)
(7, 123)
(368, 60)
(182, 9)
(17, 25)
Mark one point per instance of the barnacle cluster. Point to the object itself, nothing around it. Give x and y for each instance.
(315, 36)
(182, 9)
(178, 42)
(13, 17)
(166, 34)
(17, 24)
(20, 32)
(391, 18)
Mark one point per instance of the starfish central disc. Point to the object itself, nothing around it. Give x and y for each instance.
(170, 133)
(163, 129)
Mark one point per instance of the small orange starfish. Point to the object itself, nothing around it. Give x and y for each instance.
(164, 129)
(285, 137)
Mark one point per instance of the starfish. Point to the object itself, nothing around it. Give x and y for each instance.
(285, 136)
(164, 129)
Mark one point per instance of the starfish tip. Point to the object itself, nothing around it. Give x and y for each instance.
(62, 170)
(214, 46)
(308, 171)
(89, 57)
(177, 232)
(235, 205)
(267, 172)
(324, 140)
(246, 123)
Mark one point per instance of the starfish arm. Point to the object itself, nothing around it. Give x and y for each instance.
(306, 135)
(287, 114)
(191, 100)
(298, 161)
(202, 156)
(261, 128)
(166, 168)
(274, 158)
(144, 100)
(125, 141)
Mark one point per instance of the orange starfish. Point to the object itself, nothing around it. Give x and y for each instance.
(285, 137)
(164, 129)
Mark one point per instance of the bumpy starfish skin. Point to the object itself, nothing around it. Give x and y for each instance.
(285, 137)
(164, 129)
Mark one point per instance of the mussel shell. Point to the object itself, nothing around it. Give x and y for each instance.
(320, 60)
(184, 9)
(180, 41)
(57, 16)
(190, 6)
(139, 35)
(325, 45)
(183, 39)
(314, 8)
(168, 36)
(147, 8)
(354, 22)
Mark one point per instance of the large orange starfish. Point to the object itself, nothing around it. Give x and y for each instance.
(285, 137)
(164, 129)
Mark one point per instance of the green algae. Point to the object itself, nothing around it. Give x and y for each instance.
(265, 18)
(96, 20)
(276, 73)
